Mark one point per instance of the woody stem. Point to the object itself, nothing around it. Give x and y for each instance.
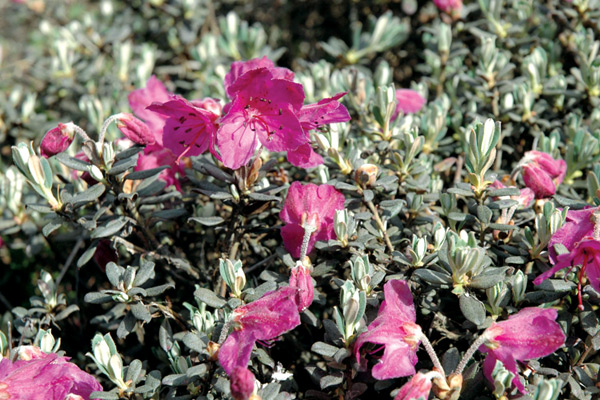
(380, 225)
(469, 354)
(308, 231)
(431, 352)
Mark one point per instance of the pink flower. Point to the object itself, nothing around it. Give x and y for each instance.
(449, 6)
(156, 156)
(263, 113)
(44, 377)
(542, 173)
(189, 130)
(57, 140)
(396, 330)
(239, 68)
(531, 333)
(302, 281)
(309, 206)
(314, 116)
(417, 388)
(242, 383)
(135, 130)
(409, 102)
(262, 320)
(154, 92)
(580, 238)
(105, 253)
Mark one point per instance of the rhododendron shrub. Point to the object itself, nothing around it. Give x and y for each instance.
(334, 202)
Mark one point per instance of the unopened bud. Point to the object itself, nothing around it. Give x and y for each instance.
(134, 129)
(366, 174)
(57, 140)
(213, 350)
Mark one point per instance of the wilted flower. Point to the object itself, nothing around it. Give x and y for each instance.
(241, 383)
(395, 328)
(581, 237)
(449, 6)
(264, 319)
(408, 101)
(57, 140)
(417, 388)
(309, 207)
(302, 281)
(531, 333)
(366, 174)
(134, 129)
(542, 173)
(44, 376)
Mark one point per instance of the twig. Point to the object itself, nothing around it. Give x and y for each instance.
(69, 260)
(388, 242)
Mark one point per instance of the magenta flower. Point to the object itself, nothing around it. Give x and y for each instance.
(135, 130)
(449, 6)
(580, 237)
(309, 207)
(262, 114)
(417, 388)
(262, 320)
(302, 281)
(154, 92)
(542, 173)
(57, 140)
(396, 330)
(409, 102)
(241, 383)
(239, 68)
(314, 116)
(531, 333)
(189, 130)
(44, 376)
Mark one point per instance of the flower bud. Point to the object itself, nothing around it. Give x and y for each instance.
(57, 140)
(134, 129)
(542, 173)
(242, 383)
(301, 279)
(418, 387)
(366, 174)
(213, 350)
(519, 285)
(233, 275)
(449, 6)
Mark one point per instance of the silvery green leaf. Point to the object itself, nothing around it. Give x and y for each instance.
(126, 326)
(140, 311)
(123, 165)
(170, 214)
(472, 309)
(105, 395)
(209, 297)
(147, 173)
(433, 277)
(165, 336)
(133, 371)
(324, 349)
(97, 298)
(88, 195)
(110, 228)
(157, 290)
(73, 163)
(130, 152)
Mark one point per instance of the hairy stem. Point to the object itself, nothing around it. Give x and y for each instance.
(308, 231)
(431, 352)
(469, 354)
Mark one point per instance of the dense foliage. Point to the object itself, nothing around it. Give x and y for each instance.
(300, 199)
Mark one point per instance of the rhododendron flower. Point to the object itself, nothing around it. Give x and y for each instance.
(396, 330)
(449, 6)
(309, 207)
(135, 130)
(43, 376)
(154, 92)
(241, 383)
(408, 101)
(314, 116)
(301, 280)
(262, 114)
(57, 140)
(417, 388)
(239, 68)
(542, 173)
(581, 236)
(262, 320)
(531, 333)
(189, 130)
